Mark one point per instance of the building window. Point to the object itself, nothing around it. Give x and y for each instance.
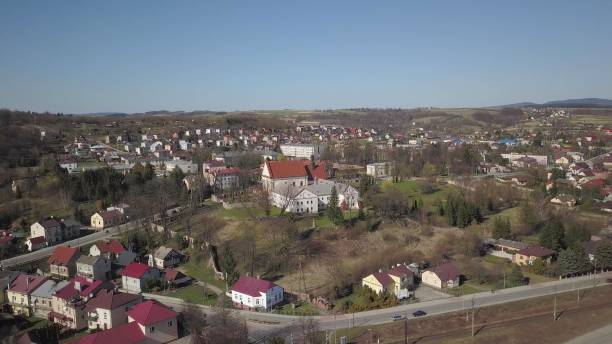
(170, 323)
(152, 329)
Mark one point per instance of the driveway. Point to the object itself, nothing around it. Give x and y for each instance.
(425, 293)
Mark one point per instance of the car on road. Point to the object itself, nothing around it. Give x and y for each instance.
(396, 317)
(419, 313)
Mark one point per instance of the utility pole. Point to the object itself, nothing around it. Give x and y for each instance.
(555, 306)
(472, 322)
(504, 279)
(406, 329)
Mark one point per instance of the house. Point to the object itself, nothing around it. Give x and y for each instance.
(109, 249)
(314, 197)
(564, 200)
(224, 178)
(396, 281)
(509, 246)
(19, 292)
(136, 275)
(6, 278)
(93, 267)
(253, 293)
(69, 302)
(379, 169)
(55, 231)
(164, 257)
(42, 297)
(107, 218)
(62, 262)
(529, 254)
(174, 278)
(291, 173)
(148, 322)
(109, 308)
(36, 243)
(442, 276)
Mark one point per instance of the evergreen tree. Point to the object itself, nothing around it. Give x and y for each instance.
(229, 267)
(573, 260)
(552, 236)
(603, 255)
(515, 278)
(177, 176)
(149, 172)
(334, 213)
(538, 266)
(501, 228)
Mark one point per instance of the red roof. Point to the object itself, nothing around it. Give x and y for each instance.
(135, 270)
(37, 240)
(62, 255)
(123, 334)
(111, 246)
(446, 272)
(110, 299)
(87, 286)
(252, 286)
(536, 251)
(229, 170)
(150, 312)
(296, 168)
(171, 274)
(26, 284)
(110, 215)
(383, 278)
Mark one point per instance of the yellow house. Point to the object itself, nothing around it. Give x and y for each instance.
(20, 290)
(396, 281)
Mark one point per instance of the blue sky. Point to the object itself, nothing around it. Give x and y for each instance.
(132, 56)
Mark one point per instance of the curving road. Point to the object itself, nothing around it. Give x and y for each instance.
(82, 241)
(262, 325)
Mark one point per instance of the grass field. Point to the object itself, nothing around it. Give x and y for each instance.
(202, 272)
(195, 294)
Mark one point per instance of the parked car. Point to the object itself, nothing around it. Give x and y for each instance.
(396, 317)
(419, 313)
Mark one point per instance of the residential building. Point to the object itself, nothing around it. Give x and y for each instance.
(303, 151)
(529, 254)
(107, 218)
(19, 293)
(292, 173)
(109, 308)
(62, 262)
(253, 293)
(187, 167)
(55, 231)
(224, 178)
(165, 257)
(95, 267)
(135, 276)
(6, 278)
(314, 197)
(397, 281)
(174, 278)
(379, 169)
(109, 249)
(446, 275)
(69, 302)
(36, 243)
(42, 297)
(148, 322)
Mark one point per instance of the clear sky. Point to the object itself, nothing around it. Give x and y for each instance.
(133, 56)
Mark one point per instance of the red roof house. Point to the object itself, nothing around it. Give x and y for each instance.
(63, 261)
(252, 293)
(150, 312)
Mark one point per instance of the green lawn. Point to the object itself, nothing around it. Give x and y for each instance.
(469, 287)
(411, 188)
(194, 294)
(305, 309)
(201, 272)
(243, 213)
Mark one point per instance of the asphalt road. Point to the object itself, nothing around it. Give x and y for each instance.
(262, 325)
(82, 241)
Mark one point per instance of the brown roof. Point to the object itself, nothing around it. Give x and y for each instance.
(536, 251)
(109, 215)
(383, 278)
(110, 299)
(446, 272)
(401, 270)
(62, 255)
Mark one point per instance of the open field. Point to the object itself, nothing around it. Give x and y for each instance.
(529, 321)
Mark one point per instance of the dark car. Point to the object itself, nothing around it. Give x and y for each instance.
(419, 314)
(396, 317)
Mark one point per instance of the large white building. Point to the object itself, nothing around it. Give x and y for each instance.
(513, 158)
(302, 151)
(314, 197)
(187, 167)
(253, 293)
(378, 170)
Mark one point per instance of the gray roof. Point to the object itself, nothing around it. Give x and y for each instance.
(89, 260)
(48, 288)
(511, 243)
(126, 257)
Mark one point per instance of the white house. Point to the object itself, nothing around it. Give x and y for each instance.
(107, 218)
(135, 276)
(165, 257)
(378, 169)
(442, 276)
(294, 173)
(55, 231)
(93, 267)
(253, 293)
(109, 308)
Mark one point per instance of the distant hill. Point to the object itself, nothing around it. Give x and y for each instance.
(105, 114)
(567, 103)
